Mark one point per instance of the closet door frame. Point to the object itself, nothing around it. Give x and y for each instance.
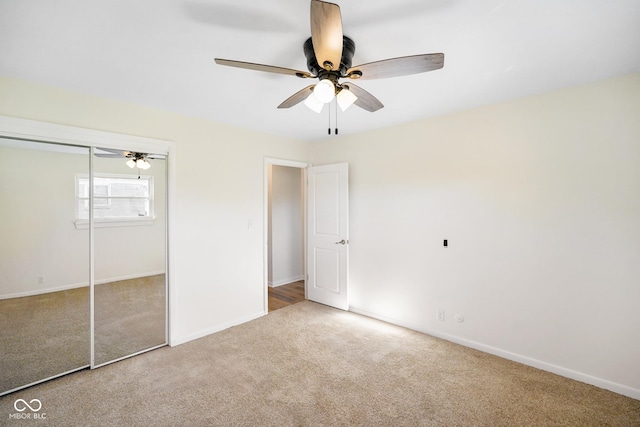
(17, 128)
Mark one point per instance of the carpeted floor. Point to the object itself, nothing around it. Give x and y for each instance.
(311, 365)
(42, 336)
(45, 335)
(130, 316)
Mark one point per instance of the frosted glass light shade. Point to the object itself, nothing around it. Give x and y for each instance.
(143, 164)
(324, 91)
(131, 163)
(345, 99)
(313, 103)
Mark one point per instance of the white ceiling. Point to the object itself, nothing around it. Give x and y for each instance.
(160, 53)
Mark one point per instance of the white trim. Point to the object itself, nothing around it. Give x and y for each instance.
(44, 291)
(100, 365)
(78, 285)
(204, 332)
(71, 135)
(622, 389)
(265, 247)
(286, 281)
(170, 260)
(22, 387)
(92, 268)
(83, 224)
(128, 277)
(285, 162)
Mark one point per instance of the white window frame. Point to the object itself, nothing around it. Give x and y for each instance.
(82, 223)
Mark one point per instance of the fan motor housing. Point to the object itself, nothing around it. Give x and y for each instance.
(348, 49)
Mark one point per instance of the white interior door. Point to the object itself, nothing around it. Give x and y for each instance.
(328, 235)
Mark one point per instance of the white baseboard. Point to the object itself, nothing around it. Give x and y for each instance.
(42, 291)
(281, 282)
(128, 277)
(77, 285)
(634, 393)
(175, 341)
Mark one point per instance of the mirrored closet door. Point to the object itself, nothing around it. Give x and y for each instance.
(130, 297)
(44, 264)
(82, 258)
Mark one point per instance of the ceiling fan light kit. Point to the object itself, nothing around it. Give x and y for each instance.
(345, 98)
(134, 160)
(329, 56)
(143, 164)
(324, 91)
(138, 160)
(314, 103)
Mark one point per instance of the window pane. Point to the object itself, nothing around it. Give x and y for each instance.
(82, 209)
(115, 197)
(122, 208)
(139, 188)
(100, 190)
(83, 187)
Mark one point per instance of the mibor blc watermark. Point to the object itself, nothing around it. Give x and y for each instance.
(28, 410)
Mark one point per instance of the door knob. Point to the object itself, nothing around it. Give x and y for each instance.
(341, 242)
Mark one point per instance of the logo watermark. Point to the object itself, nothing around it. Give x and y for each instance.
(28, 410)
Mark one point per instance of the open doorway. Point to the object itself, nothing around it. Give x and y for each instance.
(285, 211)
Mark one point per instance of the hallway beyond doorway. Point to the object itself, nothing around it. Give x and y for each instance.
(286, 295)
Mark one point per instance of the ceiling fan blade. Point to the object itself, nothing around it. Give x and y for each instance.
(297, 97)
(261, 67)
(326, 34)
(110, 153)
(102, 150)
(365, 100)
(109, 156)
(396, 67)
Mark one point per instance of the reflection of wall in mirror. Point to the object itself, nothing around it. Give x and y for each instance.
(41, 249)
(286, 205)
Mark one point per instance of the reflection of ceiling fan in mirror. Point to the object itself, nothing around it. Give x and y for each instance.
(139, 160)
(329, 55)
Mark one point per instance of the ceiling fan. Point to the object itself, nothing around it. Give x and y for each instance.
(329, 54)
(139, 160)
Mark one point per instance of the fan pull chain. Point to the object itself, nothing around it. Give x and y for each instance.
(336, 107)
(329, 117)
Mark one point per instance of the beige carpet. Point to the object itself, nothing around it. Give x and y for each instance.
(308, 364)
(130, 316)
(48, 334)
(42, 336)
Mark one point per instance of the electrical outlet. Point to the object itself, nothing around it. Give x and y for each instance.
(440, 315)
(41, 279)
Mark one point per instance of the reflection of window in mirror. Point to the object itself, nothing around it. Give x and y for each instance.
(101, 193)
(117, 198)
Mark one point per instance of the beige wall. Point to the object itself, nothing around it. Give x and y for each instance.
(538, 197)
(540, 201)
(219, 169)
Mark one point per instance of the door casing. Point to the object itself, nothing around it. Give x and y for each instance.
(278, 162)
(304, 166)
